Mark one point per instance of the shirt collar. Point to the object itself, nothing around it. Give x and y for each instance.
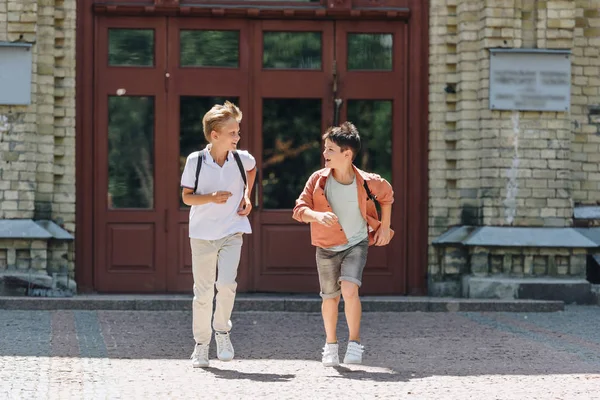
(209, 157)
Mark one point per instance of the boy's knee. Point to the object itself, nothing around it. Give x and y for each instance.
(226, 286)
(349, 290)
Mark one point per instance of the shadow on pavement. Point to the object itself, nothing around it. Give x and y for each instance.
(252, 376)
(375, 376)
(399, 346)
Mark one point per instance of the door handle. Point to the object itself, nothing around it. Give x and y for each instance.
(336, 113)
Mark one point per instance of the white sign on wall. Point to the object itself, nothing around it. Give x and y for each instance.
(15, 73)
(530, 80)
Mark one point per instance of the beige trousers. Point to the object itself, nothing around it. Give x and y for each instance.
(208, 257)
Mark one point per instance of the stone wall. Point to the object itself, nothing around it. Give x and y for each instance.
(37, 141)
(474, 179)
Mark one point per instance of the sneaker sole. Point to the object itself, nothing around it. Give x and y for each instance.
(200, 366)
(353, 362)
(225, 359)
(331, 364)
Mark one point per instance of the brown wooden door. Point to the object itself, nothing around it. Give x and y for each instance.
(306, 75)
(292, 105)
(208, 64)
(129, 158)
(371, 67)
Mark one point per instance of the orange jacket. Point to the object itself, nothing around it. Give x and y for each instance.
(313, 197)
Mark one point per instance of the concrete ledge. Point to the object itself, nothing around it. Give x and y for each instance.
(567, 290)
(288, 303)
(507, 236)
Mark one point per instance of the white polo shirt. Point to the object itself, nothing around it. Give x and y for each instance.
(215, 221)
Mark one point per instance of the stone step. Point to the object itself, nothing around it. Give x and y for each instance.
(271, 302)
(578, 291)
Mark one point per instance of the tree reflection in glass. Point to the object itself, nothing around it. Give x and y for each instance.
(373, 119)
(209, 48)
(292, 50)
(291, 148)
(130, 152)
(370, 51)
(131, 47)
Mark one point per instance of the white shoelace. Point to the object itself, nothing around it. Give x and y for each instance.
(224, 341)
(200, 352)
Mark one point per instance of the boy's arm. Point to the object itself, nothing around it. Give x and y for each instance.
(385, 196)
(191, 199)
(304, 212)
(251, 178)
(304, 203)
(246, 204)
(188, 178)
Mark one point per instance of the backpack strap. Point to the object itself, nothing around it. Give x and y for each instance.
(370, 196)
(241, 167)
(198, 167)
(238, 161)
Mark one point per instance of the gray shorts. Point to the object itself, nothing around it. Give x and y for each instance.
(337, 266)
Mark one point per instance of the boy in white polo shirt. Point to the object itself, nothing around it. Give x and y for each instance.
(217, 182)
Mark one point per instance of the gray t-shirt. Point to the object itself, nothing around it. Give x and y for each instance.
(344, 204)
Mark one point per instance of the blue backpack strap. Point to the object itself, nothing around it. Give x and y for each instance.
(241, 167)
(198, 167)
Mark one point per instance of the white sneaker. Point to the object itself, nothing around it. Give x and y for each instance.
(200, 356)
(224, 347)
(330, 355)
(354, 353)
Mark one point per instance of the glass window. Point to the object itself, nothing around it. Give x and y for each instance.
(291, 148)
(130, 152)
(373, 119)
(370, 51)
(292, 50)
(131, 47)
(209, 48)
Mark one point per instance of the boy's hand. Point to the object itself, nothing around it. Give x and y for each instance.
(245, 206)
(383, 236)
(220, 197)
(327, 218)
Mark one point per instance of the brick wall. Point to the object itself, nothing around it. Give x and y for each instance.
(37, 144)
(472, 148)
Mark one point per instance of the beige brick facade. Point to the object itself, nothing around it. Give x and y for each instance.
(37, 146)
(472, 148)
(473, 177)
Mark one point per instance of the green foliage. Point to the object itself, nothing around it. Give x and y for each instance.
(373, 119)
(131, 152)
(370, 51)
(210, 48)
(131, 47)
(291, 148)
(300, 50)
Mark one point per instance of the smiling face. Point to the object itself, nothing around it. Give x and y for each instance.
(335, 157)
(227, 136)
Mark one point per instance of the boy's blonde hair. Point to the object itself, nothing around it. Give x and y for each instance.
(219, 115)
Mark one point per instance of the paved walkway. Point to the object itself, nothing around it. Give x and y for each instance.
(144, 354)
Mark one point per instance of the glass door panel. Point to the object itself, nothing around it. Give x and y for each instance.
(129, 157)
(291, 149)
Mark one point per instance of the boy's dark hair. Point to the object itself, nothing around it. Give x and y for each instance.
(346, 136)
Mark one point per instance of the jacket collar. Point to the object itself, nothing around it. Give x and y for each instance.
(361, 176)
